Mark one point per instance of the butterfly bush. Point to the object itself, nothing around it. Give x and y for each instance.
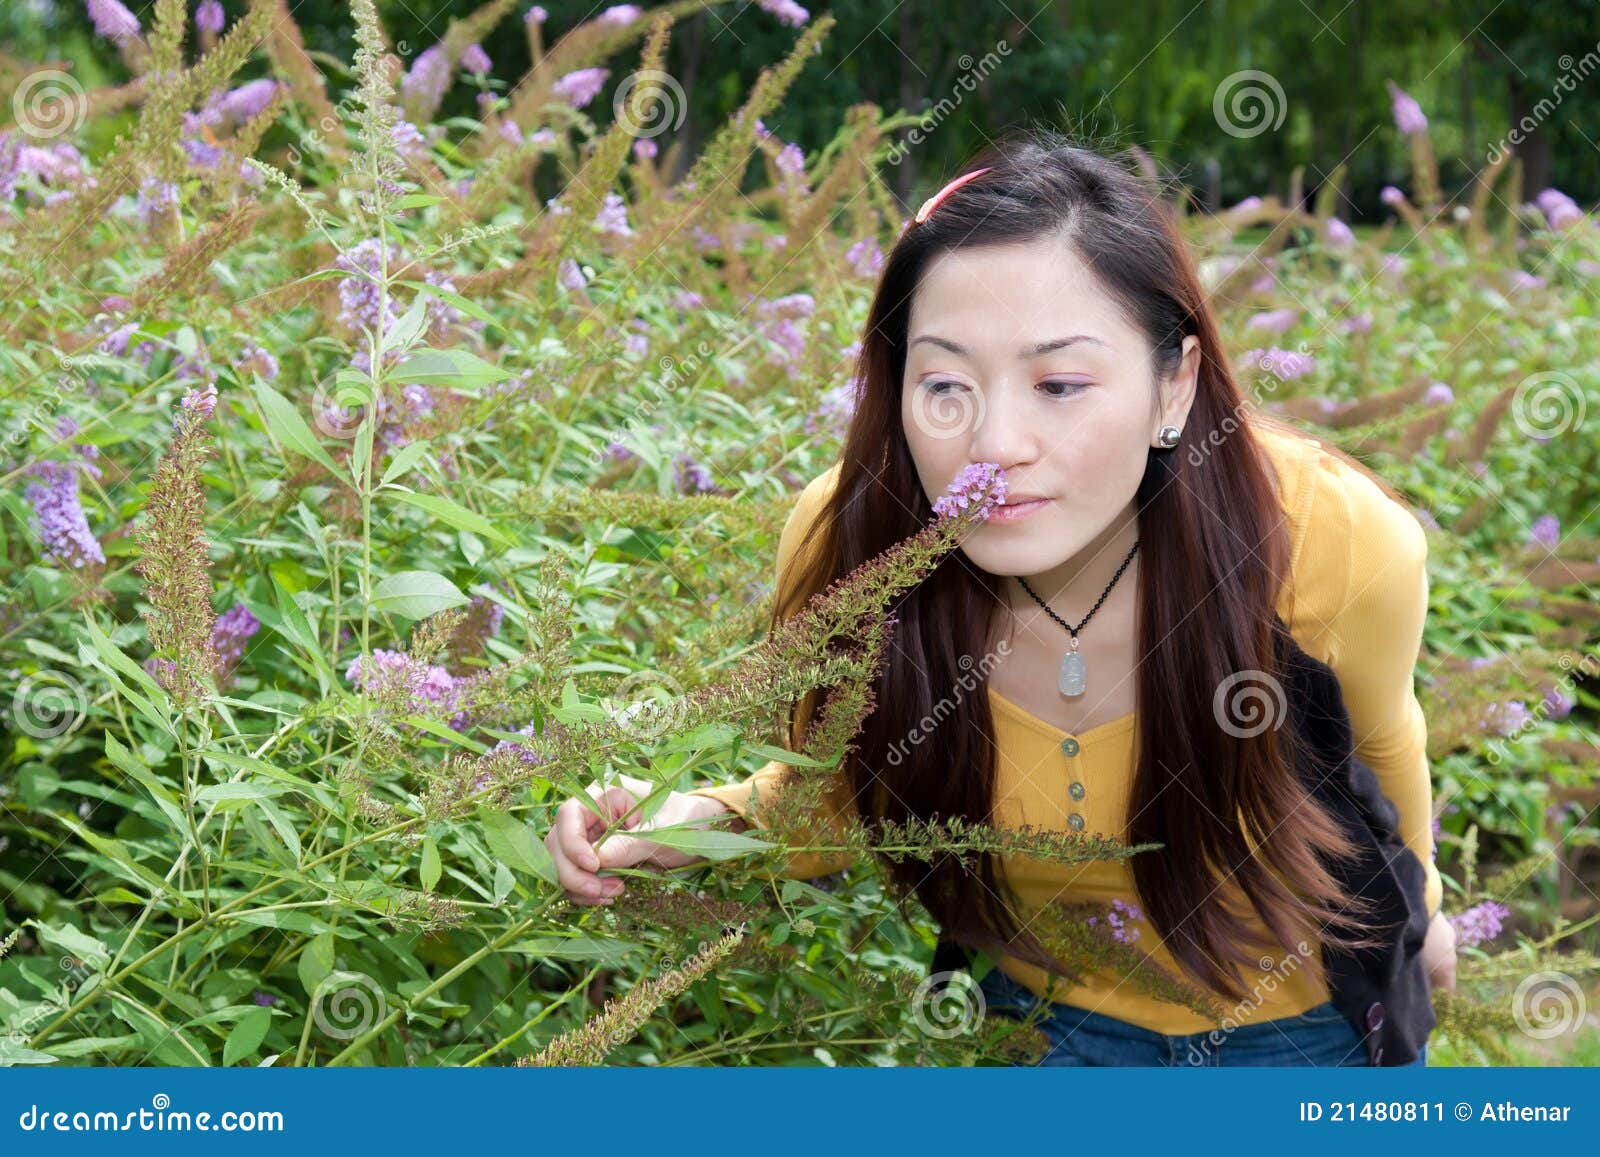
(383, 440)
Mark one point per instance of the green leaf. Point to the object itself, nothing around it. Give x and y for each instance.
(431, 867)
(70, 940)
(470, 308)
(455, 514)
(238, 792)
(415, 201)
(316, 962)
(406, 460)
(708, 842)
(513, 843)
(455, 368)
(166, 799)
(504, 881)
(12, 1052)
(247, 1035)
(287, 426)
(416, 594)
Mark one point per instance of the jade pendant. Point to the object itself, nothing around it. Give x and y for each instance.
(1074, 675)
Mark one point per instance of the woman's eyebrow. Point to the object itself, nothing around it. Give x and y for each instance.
(1032, 351)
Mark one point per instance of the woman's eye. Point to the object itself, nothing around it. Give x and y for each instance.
(937, 385)
(1063, 389)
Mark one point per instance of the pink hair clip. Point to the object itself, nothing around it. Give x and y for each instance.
(934, 201)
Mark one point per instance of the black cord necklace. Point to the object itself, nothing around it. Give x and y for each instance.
(1074, 676)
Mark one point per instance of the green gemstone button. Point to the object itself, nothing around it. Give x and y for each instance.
(1075, 790)
(1069, 746)
(1075, 822)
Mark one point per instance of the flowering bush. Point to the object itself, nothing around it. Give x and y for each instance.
(351, 485)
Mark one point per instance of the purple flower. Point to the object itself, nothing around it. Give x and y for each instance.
(1505, 719)
(475, 60)
(787, 11)
(791, 165)
(1522, 281)
(644, 148)
(535, 15)
(427, 80)
(1340, 235)
(247, 101)
(154, 199)
(580, 87)
(613, 216)
(1390, 195)
(1285, 365)
(864, 258)
(58, 517)
(1546, 532)
(209, 17)
(1248, 205)
(228, 635)
(980, 485)
(254, 359)
(359, 296)
(570, 275)
(1274, 320)
(1117, 920)
(1359, 323)
(1439, 394)
(619, 452)
(1479, 923)
(201, 401)
(525, 752)
(690, 476)
(1408, 116)
(834, 411)
(792, 305)
(1559, 209)
(264, 999)
(1557, 704)
(620, 15)
(687, 300)
(112, 20)
(636, 344)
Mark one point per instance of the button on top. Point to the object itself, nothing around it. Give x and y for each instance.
(1076, 790)
(1075, 822)
(1069, 745)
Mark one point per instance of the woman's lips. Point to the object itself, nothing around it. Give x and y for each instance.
(1018, 512)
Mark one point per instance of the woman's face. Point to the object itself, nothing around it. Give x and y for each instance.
(1017, 355)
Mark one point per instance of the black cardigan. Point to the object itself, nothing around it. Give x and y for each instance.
(1384, 991)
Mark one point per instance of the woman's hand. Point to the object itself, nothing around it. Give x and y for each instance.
(579, 863)
(1439, 953)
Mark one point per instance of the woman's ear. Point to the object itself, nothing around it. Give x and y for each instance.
(1177, 395)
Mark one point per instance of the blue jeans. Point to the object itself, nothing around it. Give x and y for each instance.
(1320, 1036)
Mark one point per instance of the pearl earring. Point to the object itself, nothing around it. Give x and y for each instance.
(1169, 437)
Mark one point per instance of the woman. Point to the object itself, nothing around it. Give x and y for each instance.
(1127, 605)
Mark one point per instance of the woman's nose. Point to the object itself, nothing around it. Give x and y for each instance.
(1004, 431)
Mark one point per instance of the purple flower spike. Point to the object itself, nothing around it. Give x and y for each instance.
(980, 484)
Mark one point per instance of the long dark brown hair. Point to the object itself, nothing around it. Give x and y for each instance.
(1206, 602)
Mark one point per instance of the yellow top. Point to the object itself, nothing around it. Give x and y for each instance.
(1356, 599)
